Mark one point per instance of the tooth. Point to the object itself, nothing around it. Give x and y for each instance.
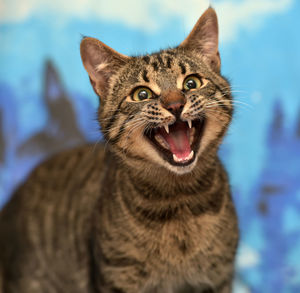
(190, 155)
(175, 158)
(166, 126)
(161, 141)
(189, 123)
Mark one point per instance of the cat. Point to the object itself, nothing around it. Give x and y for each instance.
(150, 210)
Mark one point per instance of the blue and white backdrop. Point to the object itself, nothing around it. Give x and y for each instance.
(47, 104)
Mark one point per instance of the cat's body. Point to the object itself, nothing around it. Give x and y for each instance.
(152, 213)
(62, 237)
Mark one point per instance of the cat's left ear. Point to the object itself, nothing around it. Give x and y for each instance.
(203, 38)
(101, 62)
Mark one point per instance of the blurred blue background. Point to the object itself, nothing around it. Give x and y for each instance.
(47, 104)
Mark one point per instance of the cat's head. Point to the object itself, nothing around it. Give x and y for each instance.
(167, 108)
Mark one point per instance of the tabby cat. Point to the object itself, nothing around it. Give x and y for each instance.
(151, 210)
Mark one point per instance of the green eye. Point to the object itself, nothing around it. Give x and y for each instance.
(141, 94)
(192, 82)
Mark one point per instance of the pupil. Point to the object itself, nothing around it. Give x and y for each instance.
(143, 95)
(191, 84)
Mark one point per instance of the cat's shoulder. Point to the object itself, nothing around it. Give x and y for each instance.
(71, 161)
(60, 173)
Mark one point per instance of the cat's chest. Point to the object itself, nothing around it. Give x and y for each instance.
(183, 238)
(178, 245)
(177, 255)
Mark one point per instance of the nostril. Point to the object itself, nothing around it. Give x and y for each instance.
(175, 108)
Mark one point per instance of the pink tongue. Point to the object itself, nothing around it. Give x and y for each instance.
(178, 139)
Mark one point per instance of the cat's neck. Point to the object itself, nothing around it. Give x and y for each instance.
(157, 196)
(161, 197)
(169, 183)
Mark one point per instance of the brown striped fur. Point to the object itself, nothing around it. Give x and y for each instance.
(120, 218)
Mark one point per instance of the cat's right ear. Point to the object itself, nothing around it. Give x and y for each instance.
(204, 38)
(101, 62)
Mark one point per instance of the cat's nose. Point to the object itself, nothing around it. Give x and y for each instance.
(174, 102)
(175, 108)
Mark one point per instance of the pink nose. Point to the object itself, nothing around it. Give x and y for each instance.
(175, 108)
(174, 101)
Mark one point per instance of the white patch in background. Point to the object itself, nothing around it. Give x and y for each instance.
(239, 287)
(151, 15)
(16, 11)
(248, 14)
(247, 257)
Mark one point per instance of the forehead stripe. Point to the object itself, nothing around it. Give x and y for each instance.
(183, 69)
(155, 66)
(146, 59)
(145, 77)
(169, 60)
(161, 62)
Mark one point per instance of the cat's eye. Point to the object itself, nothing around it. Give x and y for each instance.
(141, 94)
(192, 82)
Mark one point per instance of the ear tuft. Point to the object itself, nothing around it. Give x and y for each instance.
(204, 38)
(101, 62)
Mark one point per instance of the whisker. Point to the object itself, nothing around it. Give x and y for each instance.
(233, 102)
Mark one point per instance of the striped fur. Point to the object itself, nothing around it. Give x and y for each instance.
(120, 218)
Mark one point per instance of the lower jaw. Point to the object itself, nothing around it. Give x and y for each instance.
(182, 168)
(167, 156)
(184, 163)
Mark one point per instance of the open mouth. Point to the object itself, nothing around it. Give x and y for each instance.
(179, 142)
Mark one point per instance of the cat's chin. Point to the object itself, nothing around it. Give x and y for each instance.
(182, 169)
(178, 144)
